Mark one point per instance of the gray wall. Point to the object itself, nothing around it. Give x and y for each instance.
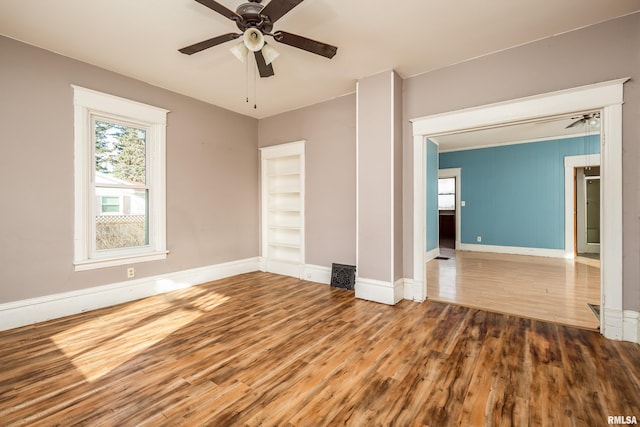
(212, 156)
(397, 179)
(329, 129)
(212, 176)
(602, 52)
(375, 177)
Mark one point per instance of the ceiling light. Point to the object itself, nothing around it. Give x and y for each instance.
(269, 53)
(240, 51)
(253, 39)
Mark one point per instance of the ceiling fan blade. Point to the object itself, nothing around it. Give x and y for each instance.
(276, 9)
(194, 48)
(304, 43)
(582, 120)
(217, 7)
(264, 69)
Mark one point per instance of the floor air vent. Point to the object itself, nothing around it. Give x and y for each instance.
(343, 276)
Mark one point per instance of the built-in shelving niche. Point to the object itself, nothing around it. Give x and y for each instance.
(283, 208)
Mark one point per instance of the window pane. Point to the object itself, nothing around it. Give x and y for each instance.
(446, 186)
(130, 226)
(446, 202)
(110, 204)
(120, 153)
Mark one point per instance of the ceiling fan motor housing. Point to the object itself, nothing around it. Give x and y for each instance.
(251, 18)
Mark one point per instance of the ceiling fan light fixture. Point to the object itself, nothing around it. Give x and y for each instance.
(240, 51)
(253, 39)
(269, 53)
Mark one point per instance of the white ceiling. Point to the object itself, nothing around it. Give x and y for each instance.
(141, 38)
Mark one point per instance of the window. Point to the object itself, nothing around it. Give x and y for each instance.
(110, 205)
(447, 194)
(119, 181)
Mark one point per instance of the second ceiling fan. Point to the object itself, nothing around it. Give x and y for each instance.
(255, 21)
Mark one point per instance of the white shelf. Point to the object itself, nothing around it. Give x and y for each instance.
(284, 191)
(296, 173)
(286, 227)
(283, 208)
(284, 245)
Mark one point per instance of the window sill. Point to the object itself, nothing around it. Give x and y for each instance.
(93, 264)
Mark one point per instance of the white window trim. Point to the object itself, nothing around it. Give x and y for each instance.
(88, 103)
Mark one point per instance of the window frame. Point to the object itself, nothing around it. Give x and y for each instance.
(90, 105)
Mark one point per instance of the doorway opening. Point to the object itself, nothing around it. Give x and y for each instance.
(513, 252)
(606, 96)
(449, 212)
(587, 203)
(447, 216)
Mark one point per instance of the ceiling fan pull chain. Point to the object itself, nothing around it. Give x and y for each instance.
(246, 80)
(255, 87)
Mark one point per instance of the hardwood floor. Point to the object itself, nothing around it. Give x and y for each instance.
(262, 349)
(550, 289)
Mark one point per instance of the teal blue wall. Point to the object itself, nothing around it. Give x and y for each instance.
(432, 196)
(514, 194)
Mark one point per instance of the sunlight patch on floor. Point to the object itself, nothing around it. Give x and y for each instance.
(96, 359)
(96, 353)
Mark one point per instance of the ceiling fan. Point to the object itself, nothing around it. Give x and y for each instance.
(255, 21)
(591, 119)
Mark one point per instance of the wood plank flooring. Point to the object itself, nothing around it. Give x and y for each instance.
(262, 349)
(550, 289)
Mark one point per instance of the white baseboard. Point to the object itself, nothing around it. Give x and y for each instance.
(408, 289)
(413, 290)
(621, 325)
(34, 310)
(631, 326)
(514, 250)
(285, 268)
(432, 254)
(379, 291)
(612, 323)
(398, 290)
(317, 273)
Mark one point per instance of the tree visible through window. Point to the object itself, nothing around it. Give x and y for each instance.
(120, 186)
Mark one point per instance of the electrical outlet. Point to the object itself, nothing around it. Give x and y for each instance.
(131, 272)
(479, 239)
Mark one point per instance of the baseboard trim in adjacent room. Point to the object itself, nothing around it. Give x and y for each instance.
(34, 310)
(379, 291)
(514, 250)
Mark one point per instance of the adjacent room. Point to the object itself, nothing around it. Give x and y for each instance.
(228, 212)
(501, 240)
